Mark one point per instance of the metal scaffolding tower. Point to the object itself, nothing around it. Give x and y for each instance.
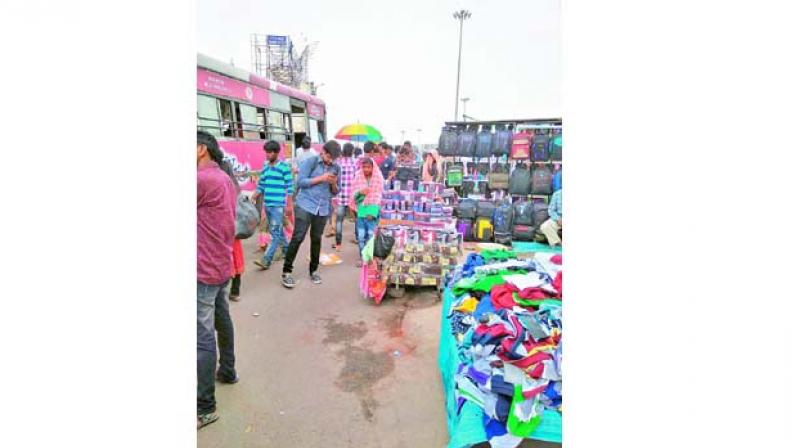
(276, 58)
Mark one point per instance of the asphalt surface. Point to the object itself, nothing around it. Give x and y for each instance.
(322, 367)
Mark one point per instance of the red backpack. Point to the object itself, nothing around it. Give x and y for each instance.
(521, 146)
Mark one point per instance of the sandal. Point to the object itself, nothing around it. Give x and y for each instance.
(206, 419)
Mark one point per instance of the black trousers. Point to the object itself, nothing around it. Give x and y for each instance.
(304, 220)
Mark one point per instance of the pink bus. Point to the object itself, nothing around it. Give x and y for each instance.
(244, 110)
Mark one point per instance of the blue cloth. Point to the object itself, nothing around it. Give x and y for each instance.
(493, 427)
(557, 180)
(484, 306)
(315, 199)
(473, 260)
(275, 215)
(554, 209)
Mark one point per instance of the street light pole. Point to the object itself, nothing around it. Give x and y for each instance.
(464, 100)
(419, 139)
(460, 16)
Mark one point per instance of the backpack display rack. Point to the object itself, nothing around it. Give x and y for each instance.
(498, 170)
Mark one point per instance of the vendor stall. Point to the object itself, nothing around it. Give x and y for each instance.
(500, 349)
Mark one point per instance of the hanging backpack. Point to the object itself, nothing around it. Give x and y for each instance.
(471, 168)
(464, 227)
(467, 187)
(523, 233)
(483, 147)
(483, 168)
(466, 143)
(542, 181)
(523, 213)
(520, 182)
(484, 229)
(540, 213)
(498, 178)
(521, 146)
(467, 208)
(486, 209)
(555, 146)
(483, 187)
(455, 175)
(503, 223)
(447, 142)
(501, 141)
(540, 147)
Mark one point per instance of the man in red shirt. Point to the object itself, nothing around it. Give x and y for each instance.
(216, 215)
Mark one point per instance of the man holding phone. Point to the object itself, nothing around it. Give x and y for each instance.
(318, 183)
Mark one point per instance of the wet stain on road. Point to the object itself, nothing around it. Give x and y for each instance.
(362, 368)
(343, 333)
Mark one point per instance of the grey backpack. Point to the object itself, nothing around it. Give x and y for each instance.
(520, 182)
(542, 181)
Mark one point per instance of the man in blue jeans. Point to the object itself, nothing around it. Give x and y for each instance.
(275, 184)
(318, 183)
(216, 215)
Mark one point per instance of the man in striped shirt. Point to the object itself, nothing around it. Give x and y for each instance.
(275, 184)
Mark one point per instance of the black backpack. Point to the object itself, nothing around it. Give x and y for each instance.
(523, 213)
(467, 208)
(466, 143)
(483, 147)
(540, 146)
(522, 232)
(520, 182)
(447, 142)
(486, 209)
(483, 168)
(542, 181)
(406, 173)
(501, 140)
(555, 146)
(471, 168)
(540, 213)
(467, 187)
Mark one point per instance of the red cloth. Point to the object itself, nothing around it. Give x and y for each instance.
(503, 296)
(238, 258)
(535, 294)
(557, 284)
(556, 259)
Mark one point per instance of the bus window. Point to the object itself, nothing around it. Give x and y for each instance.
(261, 116)
(208, 115)
(313, 131)
(247, 121)
(278, 125)
(226, 115)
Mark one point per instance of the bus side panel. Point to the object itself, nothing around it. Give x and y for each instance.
(247, 157)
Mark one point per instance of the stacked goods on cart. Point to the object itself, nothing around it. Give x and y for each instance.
(423, 228)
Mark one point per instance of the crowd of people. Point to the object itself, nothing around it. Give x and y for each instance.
(317, 189)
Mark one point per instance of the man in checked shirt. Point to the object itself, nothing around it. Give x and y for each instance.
(347, 165)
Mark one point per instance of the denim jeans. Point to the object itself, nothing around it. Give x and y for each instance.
(213, 314)
(365, 228)
(304, 220)
(340, 214)
(275, 215)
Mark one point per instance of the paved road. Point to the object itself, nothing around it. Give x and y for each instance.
(322, 367)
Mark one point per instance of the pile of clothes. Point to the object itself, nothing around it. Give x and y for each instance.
(506, 321)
